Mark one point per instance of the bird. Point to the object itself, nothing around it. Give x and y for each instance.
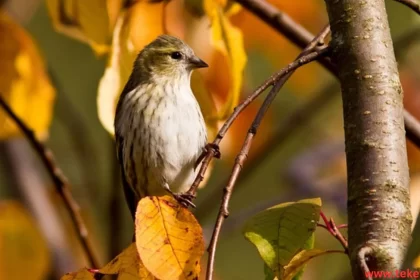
(160, 131)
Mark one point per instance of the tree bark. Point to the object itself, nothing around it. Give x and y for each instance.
(378, 195)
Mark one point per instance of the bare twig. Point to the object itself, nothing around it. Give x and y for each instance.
(412, 127)
(289, 125)
(60, 182)
(362, 257)
(285, 25)
(412, 4)
(84, 147)
(212, 149)
(240, 159)
(296, 120)
(333, 229)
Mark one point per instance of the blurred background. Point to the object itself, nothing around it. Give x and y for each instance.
(63, 64)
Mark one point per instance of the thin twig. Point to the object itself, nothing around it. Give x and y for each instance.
(298, 35)
(212, 150)
(333, 229)
(412, 127)
(292, 123)
(412, 4)
(240, 159)
(60, 182)
(289, 125)
(362, 255)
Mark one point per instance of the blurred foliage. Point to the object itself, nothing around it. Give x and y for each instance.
(88, 78)
(23, 250)
(30, 96)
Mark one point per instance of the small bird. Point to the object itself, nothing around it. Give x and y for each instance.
(159, 128)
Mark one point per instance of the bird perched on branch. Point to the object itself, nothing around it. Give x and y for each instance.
(159, 128)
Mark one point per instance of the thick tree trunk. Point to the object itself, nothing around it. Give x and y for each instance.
(378, 198)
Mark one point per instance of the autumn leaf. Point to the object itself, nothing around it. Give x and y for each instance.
(128, 39)
(227, 39)
(301, 259)
(23, 251)
(127, 265)
(280, 232)
(24, 83)
(168, 238)
(90, 21)
(82, 274)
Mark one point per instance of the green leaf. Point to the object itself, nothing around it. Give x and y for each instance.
(280, 232)
(269, 274)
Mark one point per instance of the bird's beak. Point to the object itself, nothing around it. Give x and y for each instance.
(196, 62)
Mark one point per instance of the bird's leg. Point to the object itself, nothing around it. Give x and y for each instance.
(183, 198)
(207, 148)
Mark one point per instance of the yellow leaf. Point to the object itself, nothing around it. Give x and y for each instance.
(23, 82)
(228, 40)
(168, 238)
(128, 266)
(300, 259)
(82, 274)
(128, 39)
(23, 251)
(90, 21)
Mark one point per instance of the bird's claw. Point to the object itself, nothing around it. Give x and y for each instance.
(214, 148)
(184, 199)
(207, 148)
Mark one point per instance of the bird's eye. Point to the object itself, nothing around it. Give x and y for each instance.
(176, 55)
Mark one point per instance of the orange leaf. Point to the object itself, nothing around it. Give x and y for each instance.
(127, 265)
(128, 39)
(23, 83)
(227, 39)
(168, 238)
(23, 251)
(82, 274)
(90, 21)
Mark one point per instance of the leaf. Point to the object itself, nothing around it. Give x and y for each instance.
(301, 259)
(309, 244)
(24, 83)
(168, 238)
(228, 40)
(90, 21)
(281, 231)
(269, 274)
(82, 274)
(128, 39)
(24, 253)
(127, 265)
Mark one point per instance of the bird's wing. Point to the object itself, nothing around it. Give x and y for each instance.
(130, 196)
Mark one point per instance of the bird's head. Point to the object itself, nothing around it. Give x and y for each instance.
(168, 56)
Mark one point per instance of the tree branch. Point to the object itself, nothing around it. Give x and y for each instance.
(286, 26)
(377, 167)
(412, 126)
(60, 182)
(303, 58)
(412, 4)
(289, 125)
(212, 150)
